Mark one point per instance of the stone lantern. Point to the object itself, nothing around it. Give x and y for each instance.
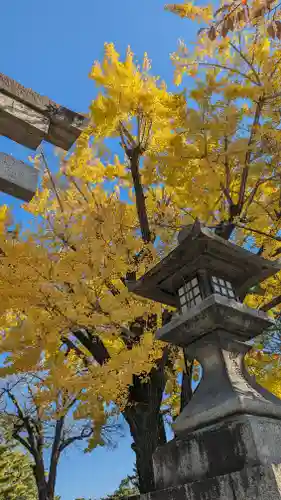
(231, 423)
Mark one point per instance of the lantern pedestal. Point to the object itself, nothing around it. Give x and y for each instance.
(230, 423)
(261, 482)
(226, 387)
(231, 426)
(236, 443)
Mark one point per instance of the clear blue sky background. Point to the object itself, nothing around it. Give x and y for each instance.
(50, 46)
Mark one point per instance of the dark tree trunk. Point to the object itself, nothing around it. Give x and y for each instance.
(146, 423)
(43, 495)
(55, 454)
(42, 487)
(52, 480)
(140, 197)
(186, 390)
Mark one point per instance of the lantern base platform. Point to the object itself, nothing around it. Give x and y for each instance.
(252, 483)
(215, 313)
(222, 448)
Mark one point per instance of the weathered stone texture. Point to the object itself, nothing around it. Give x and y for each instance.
(253, 483)
(229, 446)
(226, 388)
(215, 313)
(21, 123)
(201, 248)
(132, 497)
(27, 117)
(17, 178)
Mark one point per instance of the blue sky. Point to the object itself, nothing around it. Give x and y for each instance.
(50, 47)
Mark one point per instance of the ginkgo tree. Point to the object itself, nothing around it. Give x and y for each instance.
(72, 296)
(211, 153)
(71, 233)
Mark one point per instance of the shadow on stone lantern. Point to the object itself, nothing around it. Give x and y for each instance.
(231, 423)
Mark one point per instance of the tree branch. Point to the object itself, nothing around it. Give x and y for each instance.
(258, 231)
(83, 435)
(71, 346)
(246, 61)
(94, 345)
(232, 70)
(245, 171)
(134, 152)
(25, 422)
(52, 182)
(273, 303)
(22, 441)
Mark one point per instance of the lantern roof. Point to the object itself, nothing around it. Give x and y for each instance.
(200, 249)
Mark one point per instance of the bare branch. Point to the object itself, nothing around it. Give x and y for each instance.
(246, 61)
(227, 68)
(245, 171)
(140, 198)
(77, 187)
(273, 303)
(258, 231)
(25, 421)
(52, 182)
(61, 237)
(23, 442)
(85, 433)
(127, 134)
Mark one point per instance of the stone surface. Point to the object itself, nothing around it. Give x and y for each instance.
(17, 178)
(21, 123)
(64, 125)
(226, 388)
(251, 483)
(229, 446)
(215, 313)
(201, 249)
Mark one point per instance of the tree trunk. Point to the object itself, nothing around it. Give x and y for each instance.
(43, 495)
(146, 423)
(52, 481)
(140, 197)
(186, 390)
(55, 458)
(42, 487)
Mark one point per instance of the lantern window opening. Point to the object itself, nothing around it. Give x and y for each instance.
(190, 294)
(223, 287)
